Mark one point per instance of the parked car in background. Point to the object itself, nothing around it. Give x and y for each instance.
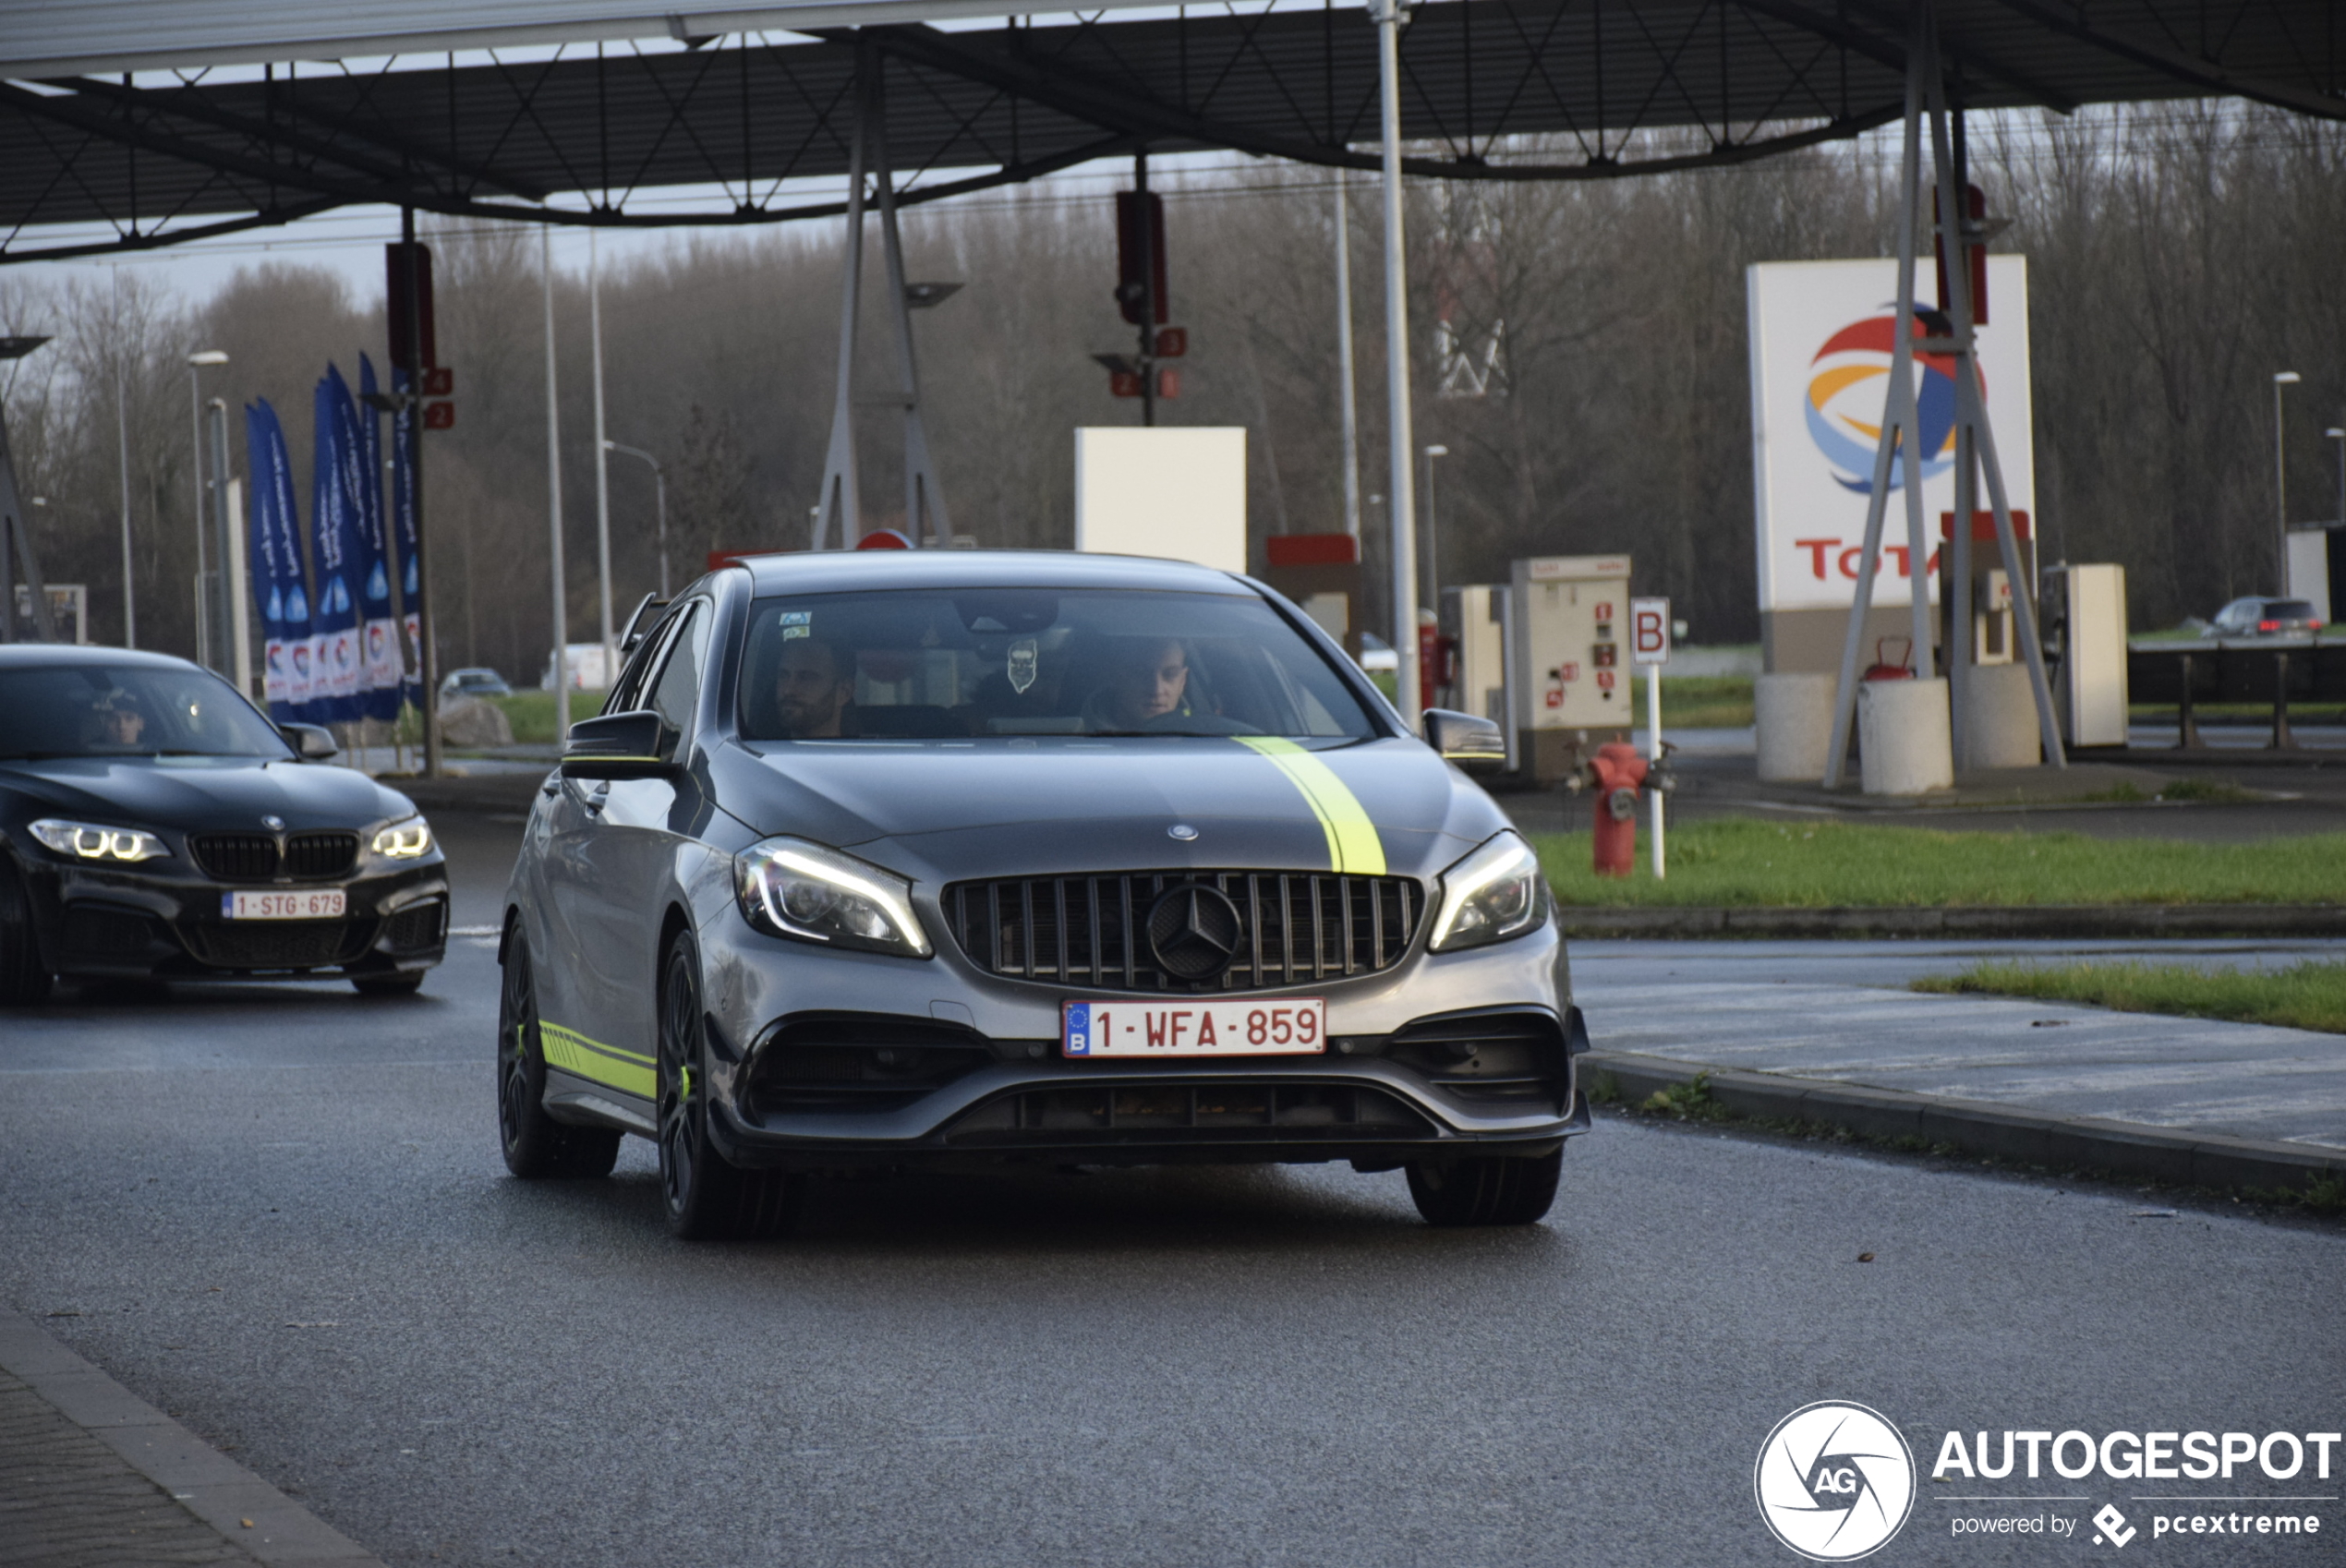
(584, 663)
(2258, 617)
(1377, 654)
(475, 683)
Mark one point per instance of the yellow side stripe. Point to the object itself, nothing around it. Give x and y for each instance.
(574, 1053)
(1353, 844)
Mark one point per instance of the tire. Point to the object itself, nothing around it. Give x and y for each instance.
(386, 984)
(537, 1146)
(24, 979)
(1485, 1191)
(707, 1198)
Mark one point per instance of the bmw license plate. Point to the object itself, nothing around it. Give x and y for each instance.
(1291, 1026)
(322, 903)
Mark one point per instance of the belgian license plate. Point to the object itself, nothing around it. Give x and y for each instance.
(1290, 1027)
(322, 903)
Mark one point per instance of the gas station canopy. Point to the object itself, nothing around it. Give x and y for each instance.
(415, 104)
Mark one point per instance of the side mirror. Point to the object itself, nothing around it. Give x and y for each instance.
(311, 743)
(1475, 744)
(617, 746)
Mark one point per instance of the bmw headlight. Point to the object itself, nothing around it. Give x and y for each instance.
(1495, 893)
(407, 840)
(87, 840)
(790, 887)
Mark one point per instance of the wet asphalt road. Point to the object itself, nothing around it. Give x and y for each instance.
(280, 1215)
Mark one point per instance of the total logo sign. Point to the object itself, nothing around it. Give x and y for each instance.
(1822, 338)
(1835, 1481)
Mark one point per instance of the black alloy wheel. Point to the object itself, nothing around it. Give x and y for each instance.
(24, 979)
(1485, 1191)
(536, 1144)
(708, 1197)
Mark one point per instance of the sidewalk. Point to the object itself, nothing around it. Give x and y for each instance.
(2190, 1101)
(91, 1476)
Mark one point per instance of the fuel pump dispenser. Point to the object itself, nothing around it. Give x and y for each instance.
(1571, 693)
(1993, 638)
(1475, 617)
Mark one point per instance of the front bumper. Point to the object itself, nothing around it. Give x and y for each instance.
(1442, 1057)
(165, 923)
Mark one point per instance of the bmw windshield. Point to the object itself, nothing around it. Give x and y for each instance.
(128, 710)
(940, 664)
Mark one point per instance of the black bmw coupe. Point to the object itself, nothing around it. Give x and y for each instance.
(155, 825)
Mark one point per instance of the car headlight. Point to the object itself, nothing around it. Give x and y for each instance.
(87, 840)
(1495, 893)
(790, 887)
(407, 840)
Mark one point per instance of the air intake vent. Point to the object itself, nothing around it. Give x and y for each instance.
(311, 855)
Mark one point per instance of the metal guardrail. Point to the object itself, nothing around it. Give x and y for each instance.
(2269, 670)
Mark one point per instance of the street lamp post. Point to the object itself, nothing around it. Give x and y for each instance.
(2281, 381)
(660, 490)
(2338, 435)
(196, 362)
(1432, 534)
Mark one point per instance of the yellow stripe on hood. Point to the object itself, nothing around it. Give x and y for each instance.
(1353, 844)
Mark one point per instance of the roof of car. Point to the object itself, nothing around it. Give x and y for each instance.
(38, 656)
(842, 571)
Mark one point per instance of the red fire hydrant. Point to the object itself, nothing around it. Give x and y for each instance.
(1617, 773)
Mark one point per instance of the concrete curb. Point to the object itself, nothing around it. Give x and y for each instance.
(2085, 920)
(2126, 1150)
(205, 1482)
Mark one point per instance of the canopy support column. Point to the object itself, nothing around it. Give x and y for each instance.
(924, 512)
(1387, 14)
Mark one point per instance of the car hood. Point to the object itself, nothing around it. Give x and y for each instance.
(1055, 805)
(202, 792)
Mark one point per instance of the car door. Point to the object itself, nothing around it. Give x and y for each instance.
(631, 845)
(576, 995)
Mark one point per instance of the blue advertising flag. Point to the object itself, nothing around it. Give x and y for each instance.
(334, 546)
(403, 537)
(378, 622)
(277, 578)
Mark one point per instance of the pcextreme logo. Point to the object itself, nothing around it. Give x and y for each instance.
(1834, 1481)
(1847, 383)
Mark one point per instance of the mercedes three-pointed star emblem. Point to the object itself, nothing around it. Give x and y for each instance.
(1193, 931)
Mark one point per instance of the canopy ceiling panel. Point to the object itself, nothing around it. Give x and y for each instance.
(1612, 86)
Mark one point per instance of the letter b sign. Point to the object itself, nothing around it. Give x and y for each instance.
(1649, 630)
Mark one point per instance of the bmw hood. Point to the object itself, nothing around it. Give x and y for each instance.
(186, 794)
(1062, 805)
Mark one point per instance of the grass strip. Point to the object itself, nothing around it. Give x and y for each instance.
(2306, 995)
(1743, 862)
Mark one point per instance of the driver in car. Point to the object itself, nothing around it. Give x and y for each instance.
(1148, 681)
(815, 689)
(121, 722)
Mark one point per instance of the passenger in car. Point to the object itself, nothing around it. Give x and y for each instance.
(815, 690)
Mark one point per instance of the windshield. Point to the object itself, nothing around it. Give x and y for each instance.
(128, 710)
(943, 663)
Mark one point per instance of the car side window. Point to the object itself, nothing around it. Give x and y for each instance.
(675, 693)
(627, 692)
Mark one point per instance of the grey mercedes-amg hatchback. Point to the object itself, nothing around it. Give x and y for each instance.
(947, 859)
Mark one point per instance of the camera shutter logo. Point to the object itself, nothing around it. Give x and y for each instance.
(1834, 1481)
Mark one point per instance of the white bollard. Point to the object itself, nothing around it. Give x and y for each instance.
(1999, 718)
(1902, 742)
(1792, 722)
